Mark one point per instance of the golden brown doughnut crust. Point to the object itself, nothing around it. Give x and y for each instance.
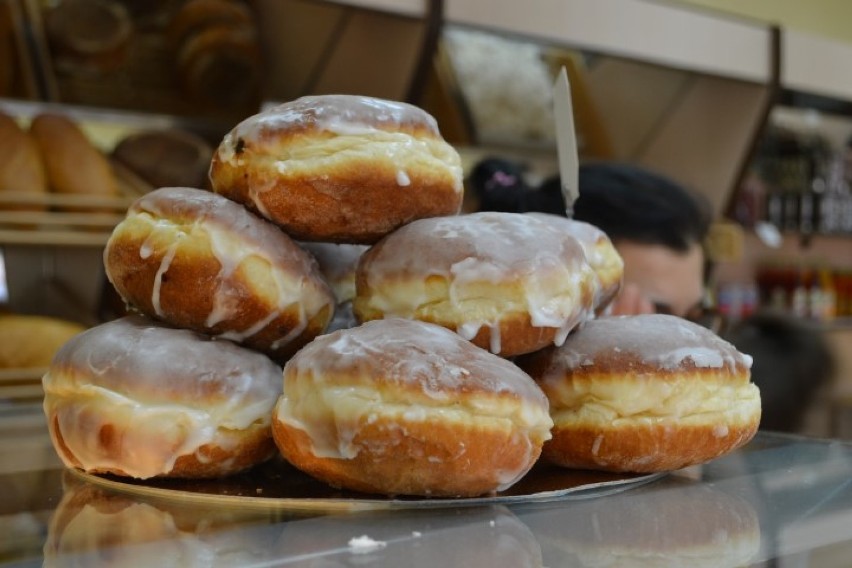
(405, 407)
(339, 168)
(508, 282)
(643, 394)
(199, 261)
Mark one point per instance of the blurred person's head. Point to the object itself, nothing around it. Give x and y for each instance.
(656, 225)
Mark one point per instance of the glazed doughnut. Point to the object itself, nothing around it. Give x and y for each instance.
(135, 398)
(645, 393)
(198, 261)
(509, 282)
(600, 254)
(337, 263)
(339, 168)
(405, 407)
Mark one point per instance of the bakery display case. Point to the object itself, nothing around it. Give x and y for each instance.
(687, 96)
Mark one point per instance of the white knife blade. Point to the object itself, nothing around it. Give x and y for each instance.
(566, 140)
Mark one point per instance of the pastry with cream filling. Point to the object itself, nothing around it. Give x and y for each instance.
(645, 393)
(198, 261)
(339, 168)
(402, 407)
(135, 398)
(509, 282)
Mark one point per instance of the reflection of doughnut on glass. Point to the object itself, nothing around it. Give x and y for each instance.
(92, 527)
(405, 407)
(509, 282)
(645, 393)
(600, 254)
(339, 168)
(134, 398)
(671, 527)
(481, 537)
(199, 261)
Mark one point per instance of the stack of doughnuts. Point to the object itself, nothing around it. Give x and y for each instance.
(331, 244)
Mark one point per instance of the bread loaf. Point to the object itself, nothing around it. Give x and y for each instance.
(73, 164)
(21, 165)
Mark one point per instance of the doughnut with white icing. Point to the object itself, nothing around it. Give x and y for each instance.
(135, 398)
(198, 261)
(339, 168)
(509, 282)
(645, 393)
(337, 263)
(600, 254)
(405, 407)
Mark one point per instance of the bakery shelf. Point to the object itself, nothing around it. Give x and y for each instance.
(21, 384)
(669, 35)
(148, 80)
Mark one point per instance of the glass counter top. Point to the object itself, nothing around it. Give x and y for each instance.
(780, 501)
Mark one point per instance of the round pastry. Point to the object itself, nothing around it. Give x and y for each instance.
(222, 65)
(135, 398)
(509, 282)
(645, 393)
(600, 254)
(166, 158)
(339, 168)
(199, 261)
(88, 36)
(197, 15)
(405, 407)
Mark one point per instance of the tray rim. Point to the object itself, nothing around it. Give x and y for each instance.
(345, 504)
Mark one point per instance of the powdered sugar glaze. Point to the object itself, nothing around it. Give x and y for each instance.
(154, 364)
(339, 114)
(399, 351)
(649, 341)
(492, 247)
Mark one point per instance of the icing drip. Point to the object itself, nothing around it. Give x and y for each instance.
(158, 278)
(511, 262)
(235, 237)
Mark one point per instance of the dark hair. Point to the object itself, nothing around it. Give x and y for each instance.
(625, 201)
(500, 185)
(633, 204)
(792, 362)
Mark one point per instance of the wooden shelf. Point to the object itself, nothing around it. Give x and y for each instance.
(673, 36)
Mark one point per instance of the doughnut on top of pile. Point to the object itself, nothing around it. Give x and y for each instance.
(339, 168)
